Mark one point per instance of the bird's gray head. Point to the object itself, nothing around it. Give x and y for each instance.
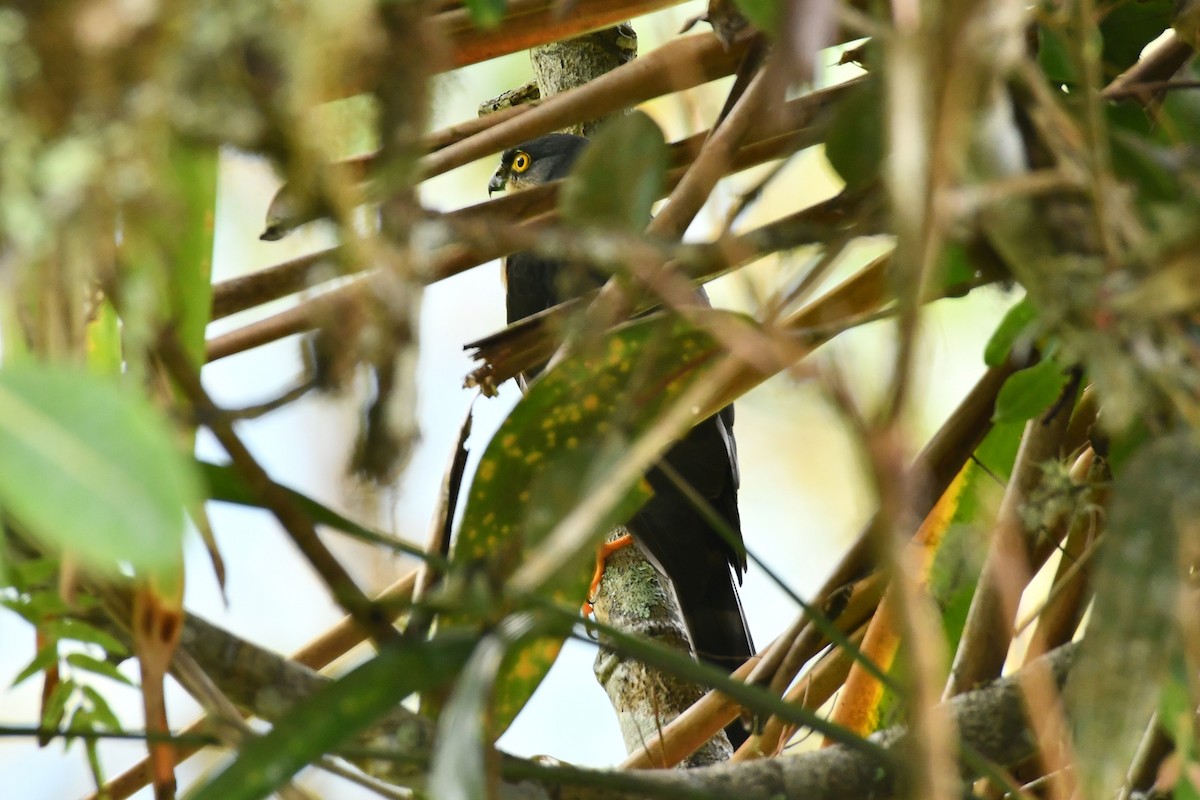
(546, 158)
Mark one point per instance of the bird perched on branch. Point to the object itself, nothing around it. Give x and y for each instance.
(700, 563)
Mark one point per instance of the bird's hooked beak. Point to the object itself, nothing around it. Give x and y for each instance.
(498, 182)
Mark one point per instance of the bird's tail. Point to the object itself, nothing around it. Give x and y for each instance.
(717, 625)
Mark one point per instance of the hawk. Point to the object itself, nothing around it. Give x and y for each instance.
(704, 569)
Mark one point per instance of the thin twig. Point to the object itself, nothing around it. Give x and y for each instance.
(641, 79)
(317, 654)
(792, 131)
(529, 23)
(440, 525)
(939, 462)
(1166, 59)
(295, 522)
(985, 640)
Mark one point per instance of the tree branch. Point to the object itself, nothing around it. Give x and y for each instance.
(992, 722)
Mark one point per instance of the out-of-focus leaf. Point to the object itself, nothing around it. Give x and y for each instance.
(38, 607)
(619, 175)
(194, 174)
(956, 265)
(226, 486)
(1133, 634)
(104, 341)
(67, 628)
(89, 467)
(56, 704)
(34, 573)
(556, 447)
(958, 562)
(335, 714)
(1128, 27)
(486, 13)
(93, 664)
(1054, 58)
(1016, 321)
(1175, 713)
(1152, 169)
(46, 656)
(102, 713)
(1129, 117)
(80, 722)
(1127, 442)
(854, 145)
(16, 349)
(763, 14)
(998, 450)
(1179, 115)
(193, 171)
(460, 768)
(1029, 392)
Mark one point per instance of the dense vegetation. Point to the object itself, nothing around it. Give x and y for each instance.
(1048, 150)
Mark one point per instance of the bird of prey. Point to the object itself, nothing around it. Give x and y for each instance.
(677, 537)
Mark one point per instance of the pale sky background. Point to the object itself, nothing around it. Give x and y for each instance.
(803, 494)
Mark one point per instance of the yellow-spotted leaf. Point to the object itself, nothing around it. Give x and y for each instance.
(557, 447)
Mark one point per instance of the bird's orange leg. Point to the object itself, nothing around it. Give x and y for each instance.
(602, 553)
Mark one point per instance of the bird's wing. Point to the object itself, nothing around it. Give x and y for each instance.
(534, 283)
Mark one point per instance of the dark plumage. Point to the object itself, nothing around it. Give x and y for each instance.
(676, 536)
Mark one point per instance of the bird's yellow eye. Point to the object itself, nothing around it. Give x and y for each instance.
(521, 162)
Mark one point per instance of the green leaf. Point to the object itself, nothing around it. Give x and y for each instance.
(1128, 117)
(1175, 717)
(1017, 320)
(459, 770)
(104, 340)
(1133, 630)
(39, 606)
(225, 485)
(80, 722)
(34, 572)
(957, 268)
(959, 559)
(486, 13)
(854, 145)
(98, 666)
(1029, 392)
(56, 704)
(193, 170)
(91, 468)
(1126, 442)
(555, 448)
(998, 450)
(619, 175)
(1127, 27)
(335, 714)
(80, 631)
(1178, 116)
(763, 14)
(1054, 58)
(101, 711)
(1153, 169)
(45, 657)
